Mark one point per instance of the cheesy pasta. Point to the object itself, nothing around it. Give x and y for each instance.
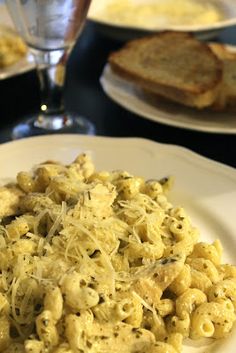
(92, 260)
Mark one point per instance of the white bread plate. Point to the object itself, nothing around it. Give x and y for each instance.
(133, 99)
(126, 30)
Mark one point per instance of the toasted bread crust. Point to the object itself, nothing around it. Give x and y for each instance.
(174, 65)
(221, 51)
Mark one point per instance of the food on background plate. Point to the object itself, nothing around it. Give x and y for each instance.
(179, 67)
(227, 96)
(172, 64)
(94, 259)
(12, 48)
(159, 13)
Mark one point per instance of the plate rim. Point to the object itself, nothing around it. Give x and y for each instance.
(183, 152)
(27, 66)
(195, 29)
(221, 24)
(104, 82)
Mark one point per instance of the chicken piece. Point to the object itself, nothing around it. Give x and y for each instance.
(36, 202)
(150, 281)
(99, 338)
(96, 201)
(85, 165)
(10, 197)
(123, 338)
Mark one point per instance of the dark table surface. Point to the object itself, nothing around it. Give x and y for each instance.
(84, 95)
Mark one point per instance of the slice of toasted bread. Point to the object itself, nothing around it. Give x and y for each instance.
(174, 65)
(226, 99)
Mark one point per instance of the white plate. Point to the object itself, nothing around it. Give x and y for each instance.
(20, 67)
(23, 65)
(125, 32)
(130, 97)
(205, 188)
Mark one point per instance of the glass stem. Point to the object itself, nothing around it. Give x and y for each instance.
(51, 66)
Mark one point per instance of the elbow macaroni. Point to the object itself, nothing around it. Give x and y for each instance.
(97, 260)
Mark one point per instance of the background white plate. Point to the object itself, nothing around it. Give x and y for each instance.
(25, 64)
(205, 188)
(124, 32)
(133, 99)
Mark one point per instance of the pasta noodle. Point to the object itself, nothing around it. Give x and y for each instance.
(94, 260)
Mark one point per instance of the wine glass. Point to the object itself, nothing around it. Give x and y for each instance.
(50, 29)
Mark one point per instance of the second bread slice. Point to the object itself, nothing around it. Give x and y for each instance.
(226, 99)
(173, 65)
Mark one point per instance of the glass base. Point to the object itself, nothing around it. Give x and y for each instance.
(45, 125)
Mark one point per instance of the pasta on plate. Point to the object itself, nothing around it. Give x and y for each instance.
(12, 48)
(92, 260)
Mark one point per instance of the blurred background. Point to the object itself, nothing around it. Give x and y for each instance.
(83, 93)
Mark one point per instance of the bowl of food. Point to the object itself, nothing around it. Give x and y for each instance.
(175, 79)
(128, 19)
